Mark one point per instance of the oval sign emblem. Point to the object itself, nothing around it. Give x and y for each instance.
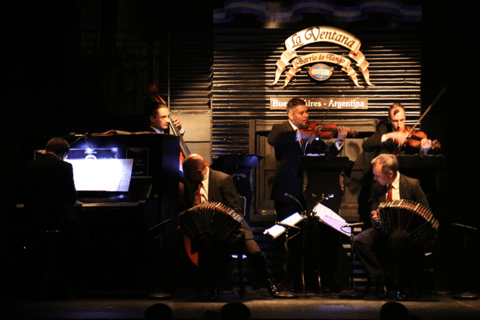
(320, 71)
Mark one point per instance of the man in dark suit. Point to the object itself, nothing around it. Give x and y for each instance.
(370, 245)
(47, 190)
(205, 184)
(392, 133)
(159, 117)
(291, 141)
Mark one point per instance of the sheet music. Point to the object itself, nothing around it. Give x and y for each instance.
(330, 218)
(112, 175)
(277, 230)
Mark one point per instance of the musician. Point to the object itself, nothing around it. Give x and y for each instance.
(47, 190)
(392, 134)
(388, 255)
(291, 142)
(159, 117)
(287, 139)
(217, 186)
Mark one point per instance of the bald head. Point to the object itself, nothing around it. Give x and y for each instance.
(194, 167)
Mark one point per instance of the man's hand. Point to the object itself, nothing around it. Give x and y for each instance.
(176, 122)
(397, 136)
(375, 216)
(235, 236)
(342, 134)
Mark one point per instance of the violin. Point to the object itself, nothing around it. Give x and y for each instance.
(325, 131)
(414, 139)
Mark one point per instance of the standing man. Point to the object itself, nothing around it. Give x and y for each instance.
(216, 186)
(392, 134)
(370, 245)
(159, 116)
(290, 140)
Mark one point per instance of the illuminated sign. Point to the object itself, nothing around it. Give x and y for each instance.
(322, 34)
(323, 103)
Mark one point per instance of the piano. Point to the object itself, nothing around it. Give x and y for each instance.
(118, 211)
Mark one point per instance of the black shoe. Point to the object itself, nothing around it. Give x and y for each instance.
(401, 296)
(271, 288)
(274, 292)
(380, 286)
(213, 294)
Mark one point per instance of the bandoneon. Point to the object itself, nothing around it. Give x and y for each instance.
(417, 220)
(211, 218)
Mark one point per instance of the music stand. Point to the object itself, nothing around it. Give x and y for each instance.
(333, 220)
(154, 232)
(290, 222)
(283, 227)
(465, 295)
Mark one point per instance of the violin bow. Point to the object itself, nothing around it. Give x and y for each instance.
(428, 109)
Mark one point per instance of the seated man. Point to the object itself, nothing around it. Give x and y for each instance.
(216, 186)
(371, 245)
(47, 190)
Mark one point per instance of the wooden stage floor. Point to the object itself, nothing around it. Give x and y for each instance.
(186, 305)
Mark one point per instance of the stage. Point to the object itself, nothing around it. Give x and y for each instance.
(185, 304)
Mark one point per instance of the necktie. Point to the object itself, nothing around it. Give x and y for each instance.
(199, 196)
(390, 193)
(302, 143)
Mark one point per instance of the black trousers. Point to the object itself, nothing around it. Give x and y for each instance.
(385, 255)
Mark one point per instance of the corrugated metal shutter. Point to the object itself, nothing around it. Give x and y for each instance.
(244, 67)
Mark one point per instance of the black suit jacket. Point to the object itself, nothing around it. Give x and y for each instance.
(288, 176)
(374, 143)
(220, 189)
(47, 190)
(150, 129)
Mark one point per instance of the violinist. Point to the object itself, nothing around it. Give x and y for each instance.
(393, 136)
(291, 139)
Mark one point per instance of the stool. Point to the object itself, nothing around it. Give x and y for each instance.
(48, 243)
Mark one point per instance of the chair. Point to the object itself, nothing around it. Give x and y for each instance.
(239, 256)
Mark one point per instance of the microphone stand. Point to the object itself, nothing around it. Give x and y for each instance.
(154, 232)
(352, 294)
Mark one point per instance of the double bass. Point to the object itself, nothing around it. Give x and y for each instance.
(184, 153)
(154, 96)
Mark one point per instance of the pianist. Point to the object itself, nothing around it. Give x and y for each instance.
(47, 190)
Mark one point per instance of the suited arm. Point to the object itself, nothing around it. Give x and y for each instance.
(229, 194)
(280, 135)
(374, 199)
(69, 184)
(375, 141)
(418, 195)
